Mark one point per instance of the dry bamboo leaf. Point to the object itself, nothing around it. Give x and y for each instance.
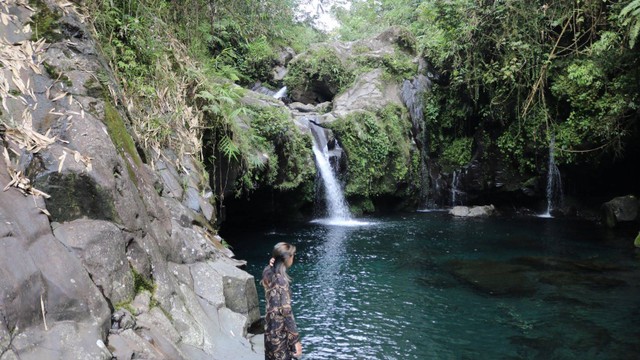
(5, 153)
(5, 19)
(77, 156)
(62, 158)
(59, 96)
(44, 211)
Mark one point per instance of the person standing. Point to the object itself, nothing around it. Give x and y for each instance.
(281, 337)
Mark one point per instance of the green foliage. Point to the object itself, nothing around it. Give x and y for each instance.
(293, 161)
(378, 155)
(320, 64)
(456, 154)
(131, 39)
(630, 17)
(258, 59)
(525, 71)
(369, 17)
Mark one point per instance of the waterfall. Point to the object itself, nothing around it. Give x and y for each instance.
(454, 187)
(554, 182)
(337, 208)
(280, 93)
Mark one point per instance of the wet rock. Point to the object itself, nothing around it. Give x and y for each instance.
(620, 209)
(474, 211)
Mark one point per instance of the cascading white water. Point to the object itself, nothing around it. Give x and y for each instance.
(336, 204)
(554, 182)
(280, 93)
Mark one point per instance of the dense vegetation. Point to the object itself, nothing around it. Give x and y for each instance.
(515, 74)
(180, 64)
(510, 77)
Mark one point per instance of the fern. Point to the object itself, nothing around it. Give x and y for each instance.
(630, 16)
(228, 148)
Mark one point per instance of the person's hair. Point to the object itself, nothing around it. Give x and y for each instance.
(281, 252)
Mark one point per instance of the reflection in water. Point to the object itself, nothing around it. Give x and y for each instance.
(324, 290)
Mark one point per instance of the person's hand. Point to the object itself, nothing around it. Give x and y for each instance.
(298, 352)
(272, 261)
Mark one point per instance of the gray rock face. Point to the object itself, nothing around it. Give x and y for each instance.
(102, 249)
(50, 306)
(69, 254)
(370, 91)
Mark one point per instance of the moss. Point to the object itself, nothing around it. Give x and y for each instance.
(14, 92)
(140, 283)
(380, 160)
(320, 65)
(275, 153)
(121, 138)
(94, 88)
(75, 196)
(125, 305)
(54, 74)
(636, 242)
(45, 23)
(396, 67)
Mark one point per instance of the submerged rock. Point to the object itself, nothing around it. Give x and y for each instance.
(494, 278)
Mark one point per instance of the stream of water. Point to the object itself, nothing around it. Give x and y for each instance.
(431, 286)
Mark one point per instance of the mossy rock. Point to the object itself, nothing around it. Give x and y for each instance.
(45, 23)
(317, 76)
(121, 139)
(380, 159)
(75, 196)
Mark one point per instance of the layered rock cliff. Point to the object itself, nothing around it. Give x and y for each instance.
(105, 252)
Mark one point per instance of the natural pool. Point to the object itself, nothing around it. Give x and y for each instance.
(430, 286)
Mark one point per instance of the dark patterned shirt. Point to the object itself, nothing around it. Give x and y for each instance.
(281, 333)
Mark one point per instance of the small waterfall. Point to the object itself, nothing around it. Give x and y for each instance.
(554, 182)
(336, 204)
(280, 93)
(454, 187)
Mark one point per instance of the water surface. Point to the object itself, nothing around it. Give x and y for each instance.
(430, 286)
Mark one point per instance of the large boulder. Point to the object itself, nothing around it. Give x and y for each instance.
(619, 209)
(473, 211)
(370, 91)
